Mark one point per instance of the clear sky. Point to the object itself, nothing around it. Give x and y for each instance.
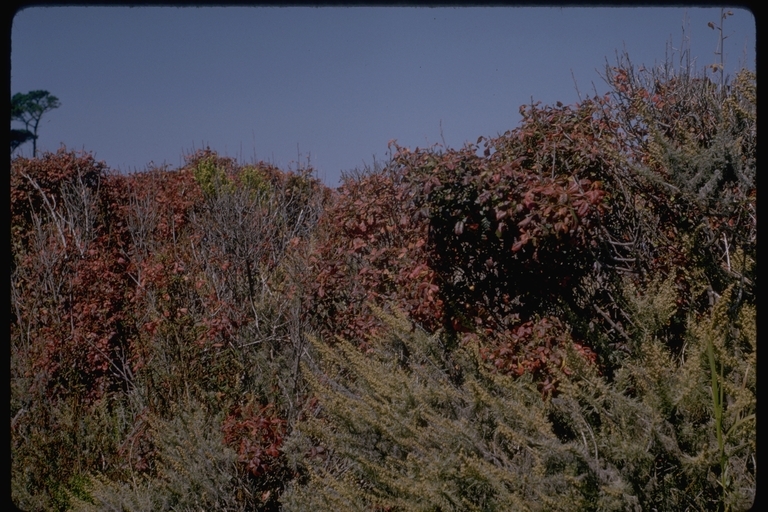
(152, 84)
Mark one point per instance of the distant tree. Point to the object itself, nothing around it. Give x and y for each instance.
(19, 137)
(29, 109)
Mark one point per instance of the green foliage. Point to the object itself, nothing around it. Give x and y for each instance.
(691, 151)
(211, 177)
(54, 444)
(707, 397)
(731, 358)
(651, 308)
(220, 176)
(394, 433)
(254, 180)
(194, 470)
(19, 137)
(392, 430)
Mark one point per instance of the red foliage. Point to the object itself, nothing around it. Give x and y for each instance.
(35, 181)
(373, 250)
(78, 305)
(533, 347)
(257, 435)
(465, 243)
(92, 303)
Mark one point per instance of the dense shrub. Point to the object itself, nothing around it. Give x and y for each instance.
(69, 286)
(194, 470)
(393, 431)
(372, 248)
(534, 250)
(462, 242)
(145, 291)
(573, 300)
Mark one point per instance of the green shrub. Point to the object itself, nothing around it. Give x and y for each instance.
(393, 430)
(195, 470)
(211, 177)
(56, 443)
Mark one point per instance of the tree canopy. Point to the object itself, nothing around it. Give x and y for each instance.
(29, 109)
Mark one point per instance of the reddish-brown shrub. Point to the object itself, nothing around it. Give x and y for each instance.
(372, 248)
(67, 223)
(256, 432)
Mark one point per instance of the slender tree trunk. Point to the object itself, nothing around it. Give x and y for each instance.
(34, 140)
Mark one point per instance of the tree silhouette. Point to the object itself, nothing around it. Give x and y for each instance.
(29, 109)
(19, 137)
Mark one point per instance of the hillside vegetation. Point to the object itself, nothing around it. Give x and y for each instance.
(562, 317)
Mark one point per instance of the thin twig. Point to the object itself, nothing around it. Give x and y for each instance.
(613, 324)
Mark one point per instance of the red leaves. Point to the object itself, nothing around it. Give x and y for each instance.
(139, 276)
(594, 196)
(386, 262)
(529, 201)
(523, 223)
(257, 434)
(357, 244)
(532, 206)
(82, 289)
(534, 347)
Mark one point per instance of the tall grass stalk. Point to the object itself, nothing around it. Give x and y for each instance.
(717, 403)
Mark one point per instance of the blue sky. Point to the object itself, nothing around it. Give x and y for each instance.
(148, 85)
